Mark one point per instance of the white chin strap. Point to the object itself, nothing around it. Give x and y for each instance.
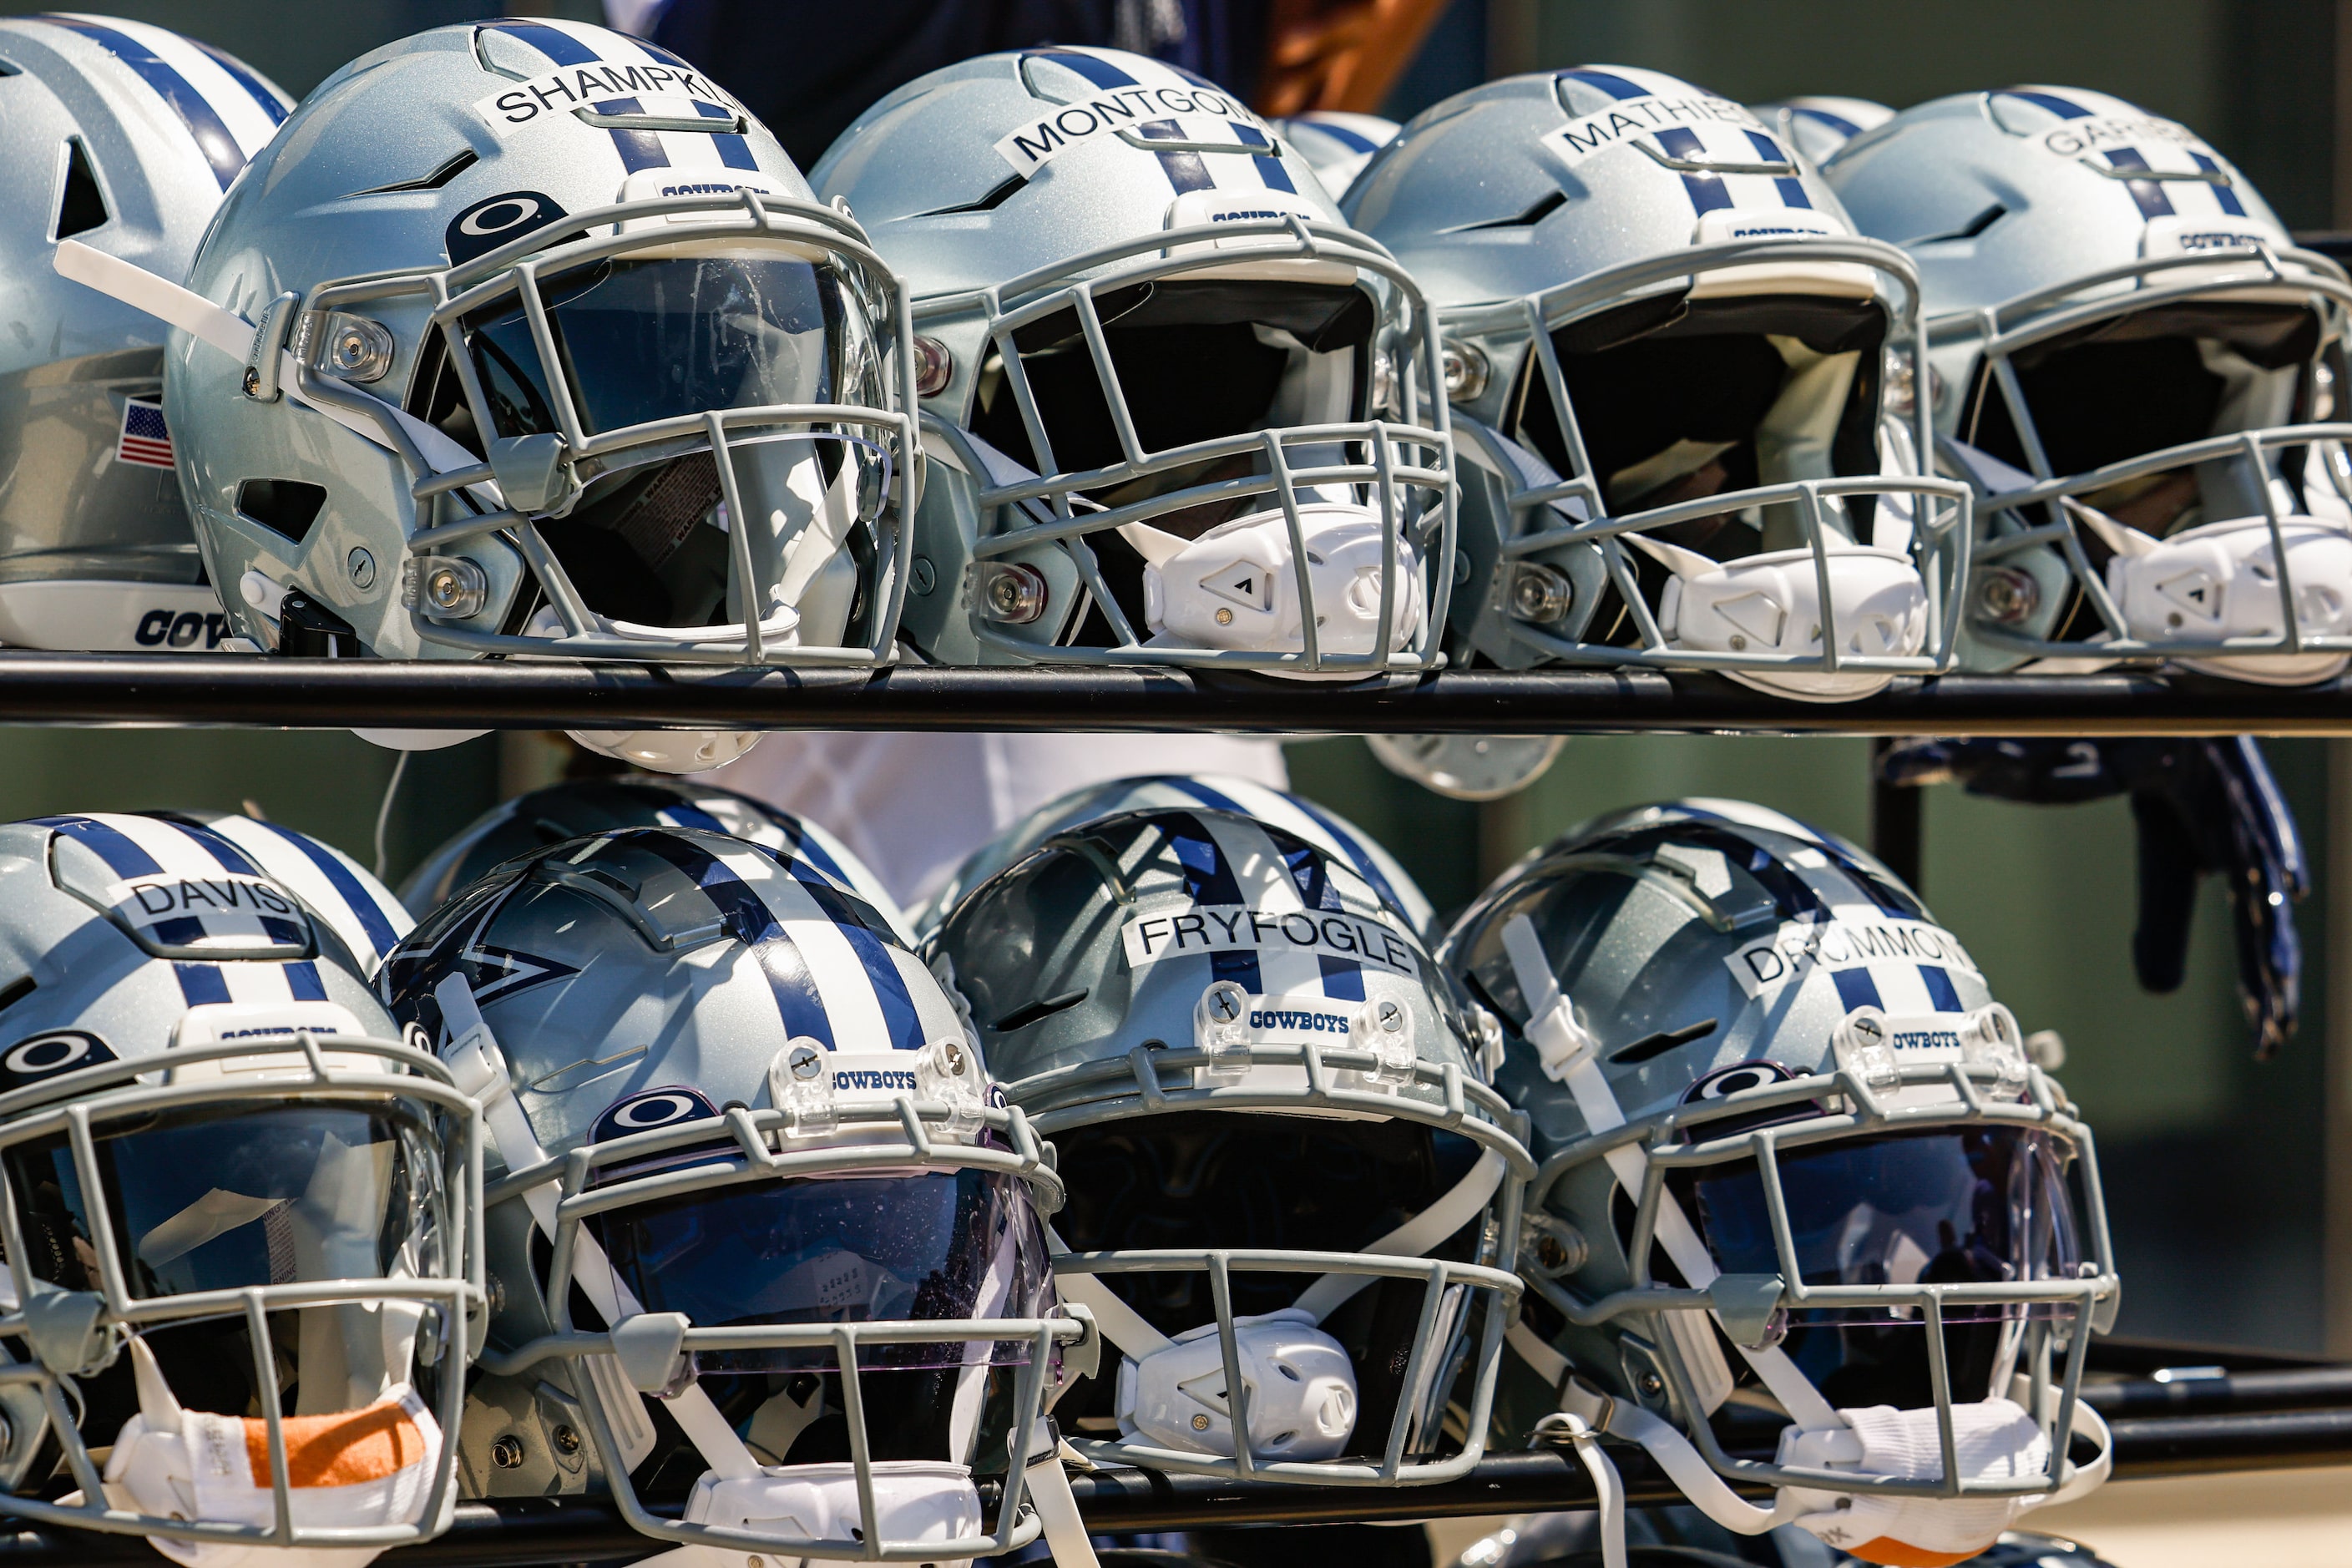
(1880, 1440)
(2220, 581)
(347, 1470)
(1298, 1380)
(1772, 603)
(1236, 586)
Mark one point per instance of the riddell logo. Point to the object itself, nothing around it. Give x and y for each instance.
(165, 628)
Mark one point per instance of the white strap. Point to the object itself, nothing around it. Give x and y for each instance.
(1607, 1491)
(1122, 1324)
(1415, 1236)
(1057, 1510)
(1570, 1054)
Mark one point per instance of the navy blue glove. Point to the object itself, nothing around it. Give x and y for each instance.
(2201, 807)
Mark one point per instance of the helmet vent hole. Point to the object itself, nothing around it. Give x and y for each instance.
(16, 991)
(81, 206)
(286, 507)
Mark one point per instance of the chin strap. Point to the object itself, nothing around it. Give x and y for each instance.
(1058, 1507)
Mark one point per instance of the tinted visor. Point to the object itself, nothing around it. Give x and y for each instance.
(243, 1193)
(839, 1249)
(641, 338)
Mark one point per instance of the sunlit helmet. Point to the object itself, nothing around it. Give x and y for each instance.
(2140, 372)
(772, 1180)
(337, 889)
(1808, 1214)
(243, 1239)
(1335, 143)
(572, 364)
(1180, 413)
(1281, 1155)
(1677, 355)
(578, 807)
(121, 136)
(1295, 814)
(1818, 126)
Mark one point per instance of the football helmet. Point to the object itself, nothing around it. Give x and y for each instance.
(1817, 127)
(1286, 1172)
(1295, 814)
(1180, 413)
(241, 1210)
(121, 136)
(761, 1228)
(1677, 355)
(1335, 143)
(1801, 1186)
(578, 807)
(361, 911)
(2141, 372)
(554, 353)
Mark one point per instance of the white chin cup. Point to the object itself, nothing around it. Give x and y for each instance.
(349, 1470)
(2220, 581)
(671, 750)
(1771, 604)
(1996, 1440)
(917, 1499)
(1236, 587)
(1300, 1386)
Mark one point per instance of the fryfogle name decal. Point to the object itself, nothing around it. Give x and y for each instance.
(1236, 927)
(1799, 947)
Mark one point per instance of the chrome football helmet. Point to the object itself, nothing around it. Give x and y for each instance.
(120, 136)
(1818, 126)
(1808, 1215)
(552, 352)
(2140, 372)
(763, 1231)
(1295, 814)
(1335, 143)
(241, 1210)
(578, 807)
(1285, 1169)
(1179, 411)
(1678, 358)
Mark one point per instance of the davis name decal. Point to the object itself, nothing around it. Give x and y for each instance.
(1799, 947)
(1628, 118)
(1235, 928)
(1201, 116)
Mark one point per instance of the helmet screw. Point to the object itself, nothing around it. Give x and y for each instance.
(567, 1441)
(506, 1452)
(1391, 1016)
(1011, 592)
(1200, 1423)
(807, 1059)
(2007, 596)
(952, 1055)
(1738, 642)
(1466, 370)
(934, 367)
(1224, 617)
(1541, 593)
(361, 567)
(252, 381)
(1652, 1384)
(924, 576)
(1224, 1006)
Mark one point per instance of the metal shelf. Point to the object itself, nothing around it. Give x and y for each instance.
(167, 689)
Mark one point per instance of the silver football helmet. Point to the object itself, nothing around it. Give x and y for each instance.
(1335, 143)
(1808, 1214)
(553, 353)
(120, 136)
(241, 1210)
(2139, 369)
(1286, 1172)
(764, 1233)
(1179, 411)
(1818, 126)
(1677, 355)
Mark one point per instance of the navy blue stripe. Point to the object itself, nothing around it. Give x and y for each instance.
(339, 877)
(242, 74)
(638, 149)
(1791, 189)
(1209, 880)
(803, 847)
(122, 856)
(302, 980)
(900, 1019)
(1366, 866)
(1343, 979)
(1354, 141)
(1270, 170)
(1100, 72)
(749, 921)
(734, 149)
(1705, 191)
(1185, 171)
(195, 112)
(553, 42)
(1615, 86)
(1836, 122)
(2056, 105)
(182, 930)
(1855, 988)
(223, 849)
(2222, 191)
(1941, 989)
(201, 984)
(2148, 194)
(284, 933)
(686, 814)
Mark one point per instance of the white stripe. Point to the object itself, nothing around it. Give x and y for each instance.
(257, 982)
(180, 854)
(246, 119)
(1258, 868)
(291, 869)
(842, 986)
(1748, 815)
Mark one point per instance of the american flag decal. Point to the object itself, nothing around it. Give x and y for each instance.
(146, 439)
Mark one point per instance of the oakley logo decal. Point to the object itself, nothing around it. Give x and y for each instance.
(487, 224)
(655, 1108)
(44, 1056)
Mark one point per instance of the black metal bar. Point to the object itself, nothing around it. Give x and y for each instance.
(165, 690)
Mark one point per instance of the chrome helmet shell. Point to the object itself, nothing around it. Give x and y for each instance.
(1817, 126)
(1673, 352)
(1338, 143)
(1173, 400)
(2140, 373)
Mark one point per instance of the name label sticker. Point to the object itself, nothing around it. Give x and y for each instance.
(1236, 927)
(1200, 116)
(225, 915)
(2080, 138)
(559, 92)
(1799, 947)
(1628, 118)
